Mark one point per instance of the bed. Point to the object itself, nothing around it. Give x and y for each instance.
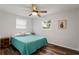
(28, 44)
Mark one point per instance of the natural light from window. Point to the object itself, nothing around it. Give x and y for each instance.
(20, 23)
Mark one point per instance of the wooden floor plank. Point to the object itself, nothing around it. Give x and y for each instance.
(49, 49)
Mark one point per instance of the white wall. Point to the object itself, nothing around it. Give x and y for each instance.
(78, 28)
(66, 38)
(8, 24)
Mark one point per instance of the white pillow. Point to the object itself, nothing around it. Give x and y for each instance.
(17, 34)
(27, 33)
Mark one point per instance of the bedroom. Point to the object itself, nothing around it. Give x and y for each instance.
(58, 39)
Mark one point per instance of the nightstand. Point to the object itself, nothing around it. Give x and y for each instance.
(0, 43)
(5, 42)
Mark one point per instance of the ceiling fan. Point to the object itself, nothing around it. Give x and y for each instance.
(36, 12)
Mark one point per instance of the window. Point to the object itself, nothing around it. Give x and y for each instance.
(20, 23)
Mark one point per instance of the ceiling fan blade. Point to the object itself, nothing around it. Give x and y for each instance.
(39, 14)
(30, 14)
(34, 8)
(42, 11)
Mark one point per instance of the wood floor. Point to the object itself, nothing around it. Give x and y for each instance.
(49, 49)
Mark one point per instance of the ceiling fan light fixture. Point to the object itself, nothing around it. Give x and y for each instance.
(34, 13)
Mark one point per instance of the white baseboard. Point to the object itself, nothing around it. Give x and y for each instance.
(64, 46)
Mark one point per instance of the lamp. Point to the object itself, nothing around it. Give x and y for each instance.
(34, 13)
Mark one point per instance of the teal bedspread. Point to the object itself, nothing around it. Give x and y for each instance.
(28, 44)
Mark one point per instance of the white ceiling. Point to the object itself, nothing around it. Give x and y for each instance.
(25, 9)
